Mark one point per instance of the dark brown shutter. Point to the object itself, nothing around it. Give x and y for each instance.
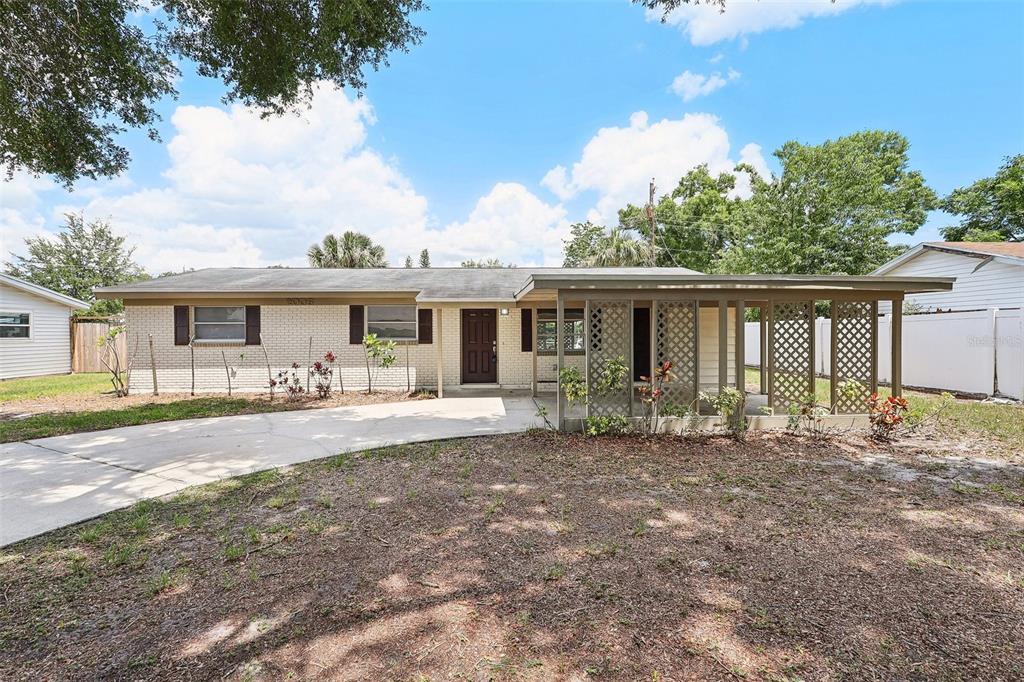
(355, 324)
(526, 331)
(426, 325)
(252, 325)
(181, 334)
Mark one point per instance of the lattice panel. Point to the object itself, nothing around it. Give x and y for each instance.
(675, 335)
(792, 353)
(853, 339)
(609, 330)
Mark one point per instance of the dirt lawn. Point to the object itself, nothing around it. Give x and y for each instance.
(547, 557)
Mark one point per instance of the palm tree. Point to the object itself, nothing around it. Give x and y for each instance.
(353, 250)
(618, 249)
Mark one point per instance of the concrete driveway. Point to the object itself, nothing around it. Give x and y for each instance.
(53, 482)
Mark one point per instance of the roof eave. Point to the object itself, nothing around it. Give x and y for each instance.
(43, 292)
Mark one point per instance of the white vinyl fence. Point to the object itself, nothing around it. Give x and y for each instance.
(978, 352)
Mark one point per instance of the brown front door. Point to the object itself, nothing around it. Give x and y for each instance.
(479, 346)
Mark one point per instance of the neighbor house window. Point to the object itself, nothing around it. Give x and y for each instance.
(392, 322)
(219, 323)
(547, 329)
(14, 325)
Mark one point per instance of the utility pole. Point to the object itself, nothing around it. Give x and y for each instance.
(650, 220)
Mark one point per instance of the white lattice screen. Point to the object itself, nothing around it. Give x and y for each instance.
(609, 332)
(791, 349)
(854, 326)
(675, 337)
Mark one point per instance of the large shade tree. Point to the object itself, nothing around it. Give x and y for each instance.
(991, 209)
(352, 250)
(693, 224)
(83, 256)
(831, 210)
(74, 75)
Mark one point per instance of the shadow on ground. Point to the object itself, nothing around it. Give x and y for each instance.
(538, 556)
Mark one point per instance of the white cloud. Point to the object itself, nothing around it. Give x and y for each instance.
(689, 85)
(510, 223)
(243, 191)
(706, 24)
(717, 58)
(618, 162)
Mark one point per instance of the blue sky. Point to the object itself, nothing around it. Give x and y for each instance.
(513, 120)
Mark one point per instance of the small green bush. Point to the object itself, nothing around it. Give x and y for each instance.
(607, 426)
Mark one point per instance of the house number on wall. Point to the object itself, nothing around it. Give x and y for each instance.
(299, 301)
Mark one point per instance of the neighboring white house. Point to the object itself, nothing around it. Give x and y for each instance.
(988, 275)
(974, 341)
(35, 329)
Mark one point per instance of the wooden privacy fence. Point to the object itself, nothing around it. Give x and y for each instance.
(85, 354)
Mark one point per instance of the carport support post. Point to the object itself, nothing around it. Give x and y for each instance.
(897, 346)
(533, 346)
(741, 349)
(439, 313)
(560, 351)
(764, 348)
(723, 344)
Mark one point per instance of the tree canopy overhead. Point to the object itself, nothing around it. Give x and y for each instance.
(83, 256)
(353, 250)
(76, 74)
(992, 209)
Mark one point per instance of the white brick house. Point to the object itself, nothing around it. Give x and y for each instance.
(494, 328)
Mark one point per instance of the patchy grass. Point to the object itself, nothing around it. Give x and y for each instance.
(963, 417)
(33, 388)
(541, 556)
(44, 425)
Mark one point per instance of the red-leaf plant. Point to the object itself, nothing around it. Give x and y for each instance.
(323, 372)
(651, 393)
(886, 415)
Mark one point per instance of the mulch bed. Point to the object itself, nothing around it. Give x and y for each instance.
(87, 402)
(548, 557)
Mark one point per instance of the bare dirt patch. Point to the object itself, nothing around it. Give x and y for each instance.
(86, 402)
(541, 556)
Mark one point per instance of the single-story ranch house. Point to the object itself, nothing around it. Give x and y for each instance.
(507, 328)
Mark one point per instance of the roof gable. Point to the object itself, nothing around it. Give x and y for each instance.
(1005, 252)
(43, 292)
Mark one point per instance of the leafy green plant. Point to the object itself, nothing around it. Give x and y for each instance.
(382, 354)
(607, 426)
(728, 404)
(611, 376)
(574, 387)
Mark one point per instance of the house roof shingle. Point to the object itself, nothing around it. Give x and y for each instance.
(1013, 249)
(435, 285)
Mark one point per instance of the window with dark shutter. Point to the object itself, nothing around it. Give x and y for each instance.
(526, 331)
(355, 324)
(426, 325)
(181, 331)
(252, 325)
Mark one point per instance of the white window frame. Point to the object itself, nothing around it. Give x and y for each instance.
(195, 324)
(415, 322)
(27, 326)
(572, 319)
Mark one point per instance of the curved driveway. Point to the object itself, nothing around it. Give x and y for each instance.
(52, 482)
